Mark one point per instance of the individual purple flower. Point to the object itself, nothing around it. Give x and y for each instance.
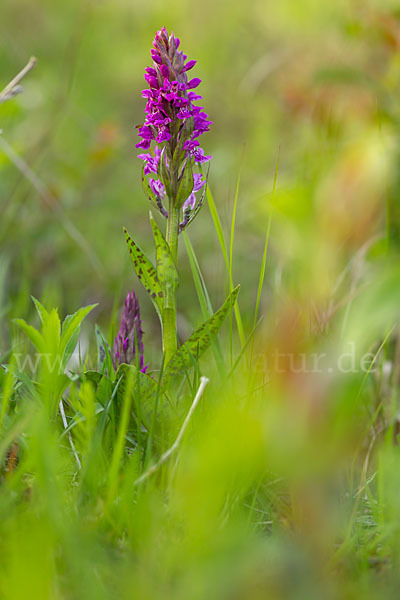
(130, 335)
(158, 188)
(174, 122)
(151, 162)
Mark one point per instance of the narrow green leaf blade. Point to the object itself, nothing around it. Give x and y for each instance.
(264, 257)
(221, 237)
(104, 353)
(70, 331)
(186, 185)
(204, 298)
(147, 189)
(40, 309)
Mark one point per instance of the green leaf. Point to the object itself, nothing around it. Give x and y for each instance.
(220, 233)
(186, 184)
(94, 377)
(144, 386)
(204, 298)
(33, 334)
(146, 273)
(70, 332)
(201, 339)
(199, 205)
(179, 152)
(51, 330)
(104, 354)
(147, 190)
(166, 269)
(164, 173)
(41, 311)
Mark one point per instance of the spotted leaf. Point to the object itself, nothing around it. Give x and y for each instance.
(146, 273)
(166, 269)
(201, 339)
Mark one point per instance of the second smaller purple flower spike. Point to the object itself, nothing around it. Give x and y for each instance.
(130, 335)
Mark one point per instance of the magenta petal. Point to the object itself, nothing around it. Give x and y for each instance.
(164, 71)
(189, 65)
(156, 57)
(145, 144)
(193, 83)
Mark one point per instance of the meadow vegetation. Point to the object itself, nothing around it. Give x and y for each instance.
(246, 443)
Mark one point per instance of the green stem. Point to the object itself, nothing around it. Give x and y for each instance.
(169, 312)
(172, 230)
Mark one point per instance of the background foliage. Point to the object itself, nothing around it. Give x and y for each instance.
(287, 485)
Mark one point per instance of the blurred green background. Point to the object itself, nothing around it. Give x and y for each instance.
(288, 483)
(315, 81)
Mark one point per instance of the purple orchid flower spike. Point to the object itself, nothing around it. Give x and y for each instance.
(130, 335)
(174, 123)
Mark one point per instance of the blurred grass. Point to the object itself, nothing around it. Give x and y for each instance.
(287, 483)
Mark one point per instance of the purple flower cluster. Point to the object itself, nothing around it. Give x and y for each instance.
(172, 119)
(130, 335)
(170, 99)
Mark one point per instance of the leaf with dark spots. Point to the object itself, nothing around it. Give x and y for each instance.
(201, 339)
(166, 269)
(146, 274)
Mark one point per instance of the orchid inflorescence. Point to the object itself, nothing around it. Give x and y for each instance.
(174, 123)
(169, 136)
